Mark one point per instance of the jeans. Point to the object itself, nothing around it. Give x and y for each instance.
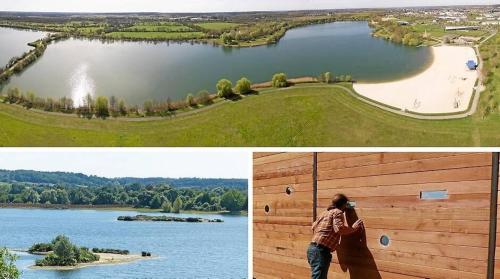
(319, 259)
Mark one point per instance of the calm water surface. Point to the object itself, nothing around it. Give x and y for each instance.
(14, 42)
(205, 250)
(137, 71)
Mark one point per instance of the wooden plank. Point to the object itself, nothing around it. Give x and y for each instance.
(423, 165)
(466, 174)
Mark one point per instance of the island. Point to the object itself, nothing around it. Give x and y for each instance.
(163, 218)
(61, 254)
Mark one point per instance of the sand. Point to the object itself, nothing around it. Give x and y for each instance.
(446, 86)
(104, 259)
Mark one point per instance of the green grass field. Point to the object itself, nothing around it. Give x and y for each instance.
(217, 25)
(298, 116)
(156, 35)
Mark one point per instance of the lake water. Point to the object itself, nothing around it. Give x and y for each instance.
(14, 42)
(185, 250)
(137, 71)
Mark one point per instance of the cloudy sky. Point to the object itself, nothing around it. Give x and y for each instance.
(132, 163)
(213, 5)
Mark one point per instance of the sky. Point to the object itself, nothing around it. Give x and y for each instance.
(179, 6)
(133, 163)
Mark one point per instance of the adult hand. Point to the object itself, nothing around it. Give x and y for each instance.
(358, 225)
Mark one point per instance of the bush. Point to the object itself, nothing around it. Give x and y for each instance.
(190, 100)
(244, 86)
(102, 107)
(8, 267)
(279, 80)
(204, 98)
(41, 248)
(224, 88)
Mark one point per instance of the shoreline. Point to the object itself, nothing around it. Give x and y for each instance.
(104, 259)
(111, 208)
(445, 87)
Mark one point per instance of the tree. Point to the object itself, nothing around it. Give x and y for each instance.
(176, 208)
(279, 80)
(148, 107)
(156, 202)
(8, 269)
(244, 86)
(224, 88)
(113, 106)
(327, 77)
(166, 207)
(232, 200)
(204, 97)
(190, 100)
(31, 196)
(102, 107)
(122, 108)
(64, 250)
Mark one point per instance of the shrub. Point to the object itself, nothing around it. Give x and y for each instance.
(224, 88)
(204, 98)
(279, 80)
(41, 248)
(190, 100)
(244, 86)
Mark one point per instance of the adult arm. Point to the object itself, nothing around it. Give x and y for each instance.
(340, 227)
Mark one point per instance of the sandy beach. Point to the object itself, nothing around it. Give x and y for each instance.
(446, 86)
(104, 259)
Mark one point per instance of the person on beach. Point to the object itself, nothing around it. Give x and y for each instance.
(327, 232)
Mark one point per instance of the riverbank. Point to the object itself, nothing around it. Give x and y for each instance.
(104, 259)
(109, 208)
(447, 86)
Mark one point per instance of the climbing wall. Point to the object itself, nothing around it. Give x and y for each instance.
(281, 235)
(431, 209)
(426, 214)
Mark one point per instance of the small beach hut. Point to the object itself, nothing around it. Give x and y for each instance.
(471, 64)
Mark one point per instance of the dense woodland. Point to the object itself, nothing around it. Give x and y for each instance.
(169, 195)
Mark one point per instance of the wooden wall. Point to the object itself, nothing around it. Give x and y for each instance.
(428, 238)
(281, 237)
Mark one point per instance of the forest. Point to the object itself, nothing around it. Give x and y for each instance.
(167, 195)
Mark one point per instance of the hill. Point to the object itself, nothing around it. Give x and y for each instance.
(79, 179)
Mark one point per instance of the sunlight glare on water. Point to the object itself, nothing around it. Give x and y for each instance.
(81, 84)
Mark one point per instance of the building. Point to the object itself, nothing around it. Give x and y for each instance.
(456, 28)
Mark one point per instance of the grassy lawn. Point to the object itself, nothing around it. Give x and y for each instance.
(299, 116)
(158, 28)
(217, 25)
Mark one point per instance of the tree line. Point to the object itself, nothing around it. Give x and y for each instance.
(102, 107)
(80, 179)
(161, 196)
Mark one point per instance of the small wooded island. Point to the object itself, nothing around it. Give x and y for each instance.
(164, 218)
(61, 254)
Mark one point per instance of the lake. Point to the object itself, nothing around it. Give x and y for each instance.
(185, 250)
(14, 42)
(138, 71)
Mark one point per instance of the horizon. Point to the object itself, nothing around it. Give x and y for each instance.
(219, 6)
(114, 164)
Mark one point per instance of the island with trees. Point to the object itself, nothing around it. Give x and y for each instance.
(26, 188)
(61, 254)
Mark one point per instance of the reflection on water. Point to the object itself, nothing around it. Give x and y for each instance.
(81, 84)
